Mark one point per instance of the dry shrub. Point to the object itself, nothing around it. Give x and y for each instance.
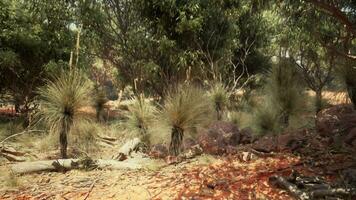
(84, 135)
(141, 116)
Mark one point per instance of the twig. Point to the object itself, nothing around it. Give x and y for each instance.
(91, 188)
(64, 197)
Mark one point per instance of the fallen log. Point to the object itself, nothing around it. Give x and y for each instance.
(61, 165)
(10, 150)
(12, 158)
(11, 154)
(292, 189)
(305, 188)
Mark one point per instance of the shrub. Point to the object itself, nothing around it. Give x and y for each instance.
(185, 109)
(266, 120)
(141, 116)
(284, 91)
(233, 117)
(220, 97)
(99, 102)
(60, 102)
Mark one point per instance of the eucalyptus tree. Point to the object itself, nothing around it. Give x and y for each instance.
(34, 35)
(154, 44)
(321, 40)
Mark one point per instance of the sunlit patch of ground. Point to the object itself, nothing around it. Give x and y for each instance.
(333, 97)
(205, 177)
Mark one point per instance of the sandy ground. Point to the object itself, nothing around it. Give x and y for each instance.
(238, 180)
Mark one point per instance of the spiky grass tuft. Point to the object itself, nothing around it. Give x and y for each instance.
(142, 115)
(284, 91)
(266, 120)
(60, 102)
(185, 109)
(220, 97)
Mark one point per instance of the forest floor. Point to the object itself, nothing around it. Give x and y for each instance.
(243, 175)
(204, 177)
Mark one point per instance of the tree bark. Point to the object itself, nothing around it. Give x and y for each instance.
(176, 141)
(284, 119)
(218, 108)
(318, 100)
(66, 124)
(351, 90)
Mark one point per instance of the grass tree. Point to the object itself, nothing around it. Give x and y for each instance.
(142, 114)
(60, 102)
(185, 109)
(284, 90)
(220, 97)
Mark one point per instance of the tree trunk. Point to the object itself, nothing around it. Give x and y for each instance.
(318, 101)
(285, 120)
(176, 141)
(351, 90)
(66, 124)
(100, 114)
(218, 109)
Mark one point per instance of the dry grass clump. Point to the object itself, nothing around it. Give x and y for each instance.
(85, 136)
(9, 179)
(185, 109)
(141, 116)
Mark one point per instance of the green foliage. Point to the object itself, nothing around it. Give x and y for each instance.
(284, 90)
(220, 97)
(61, 100)
(233, 117)
(185, 109)
(141, 116)
(36, 39)
(160, 42)
(266, 120)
